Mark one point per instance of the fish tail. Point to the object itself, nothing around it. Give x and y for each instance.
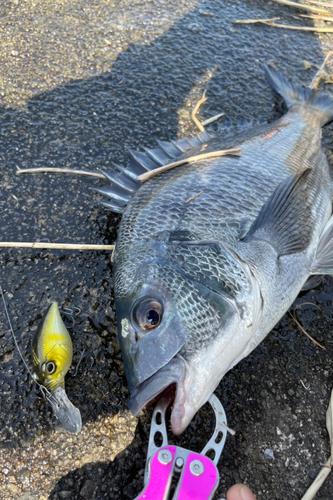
(298, 95)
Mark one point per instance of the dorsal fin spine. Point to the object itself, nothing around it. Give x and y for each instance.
(107, 191)
(164, 149)
(178, 147)
(113, 206)
(139, 161)
(116, 179)
(126, 171)
(153, 157)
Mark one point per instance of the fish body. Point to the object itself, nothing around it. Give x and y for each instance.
(52, 353)
(200, 283)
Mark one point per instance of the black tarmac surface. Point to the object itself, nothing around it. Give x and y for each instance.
(80, 82)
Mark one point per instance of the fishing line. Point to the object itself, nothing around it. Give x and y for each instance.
(67, 311)
(70, 312)
(46, 393)
(77, 366)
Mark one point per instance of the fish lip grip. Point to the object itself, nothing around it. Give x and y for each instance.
(197, 474)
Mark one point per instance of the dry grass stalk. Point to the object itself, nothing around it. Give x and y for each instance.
(199, 124)
(196, 109)
(57, 171)
(193, 197)
(55, 246)
(322, 4)
(285, 26)
(232, 432)
(309, 304)
(212, 119)
(215, 154)
(306, 333)
(306, 388)
(317, 483)
(329, 424)
(251, 21)
(319, 18)
(321, 73)
(304, 7)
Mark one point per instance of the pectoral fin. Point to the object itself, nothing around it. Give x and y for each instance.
(312, 282)
(323, 262)
(285, 220)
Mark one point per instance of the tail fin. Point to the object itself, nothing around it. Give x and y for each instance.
(295, 94)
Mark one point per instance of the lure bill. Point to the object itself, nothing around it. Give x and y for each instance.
(52, 353)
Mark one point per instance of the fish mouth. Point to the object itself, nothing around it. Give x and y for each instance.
(170, 380)
(65, 411)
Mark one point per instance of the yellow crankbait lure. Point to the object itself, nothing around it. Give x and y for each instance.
(52, 353)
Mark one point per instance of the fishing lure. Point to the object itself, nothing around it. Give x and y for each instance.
(52, 353)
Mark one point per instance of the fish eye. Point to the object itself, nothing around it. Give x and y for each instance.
(49, 367)
(148, 314)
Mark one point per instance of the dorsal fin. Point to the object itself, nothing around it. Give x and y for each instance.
(125, 181)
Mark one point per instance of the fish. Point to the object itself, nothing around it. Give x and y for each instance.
(210, 255)
(52, 353)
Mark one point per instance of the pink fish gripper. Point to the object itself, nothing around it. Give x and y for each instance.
(175, 473)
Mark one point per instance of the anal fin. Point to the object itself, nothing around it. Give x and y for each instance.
(312, 282)
(323, 262)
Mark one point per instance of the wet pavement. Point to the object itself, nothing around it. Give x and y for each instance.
(81, 81)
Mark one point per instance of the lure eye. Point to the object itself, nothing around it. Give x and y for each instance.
(148, 314)
(49, 367)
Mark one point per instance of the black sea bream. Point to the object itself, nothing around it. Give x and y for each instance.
(200, 283)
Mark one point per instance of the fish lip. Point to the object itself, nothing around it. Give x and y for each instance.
(65, 411)
(173, 373)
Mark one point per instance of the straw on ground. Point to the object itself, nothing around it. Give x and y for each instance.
(55, 246)
(306, 333)
(285, 26)
(310, 8)
(214, 154)
(317, 483)
(57, 171)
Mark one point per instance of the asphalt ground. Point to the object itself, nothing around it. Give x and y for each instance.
(80, 82)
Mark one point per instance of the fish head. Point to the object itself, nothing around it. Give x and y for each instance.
(170, 329)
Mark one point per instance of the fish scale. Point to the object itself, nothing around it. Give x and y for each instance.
(199, 282)
(209, 265)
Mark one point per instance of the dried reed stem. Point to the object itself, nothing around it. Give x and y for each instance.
(319, 18)
(57, 246)
(311, 492)
(306, 333)
(285, 26)
(196, 109)
(322, 4)
(57, 171)
(215, 154)
(304, 7)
